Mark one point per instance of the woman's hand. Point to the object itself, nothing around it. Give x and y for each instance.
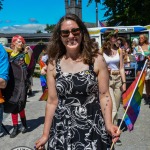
(40, 143)
(27, 48)
(114, 131)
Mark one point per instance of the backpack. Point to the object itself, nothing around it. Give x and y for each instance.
(15, 91)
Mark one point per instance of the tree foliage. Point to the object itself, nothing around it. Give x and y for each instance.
(38, 31)
(49, 28)
(1, 4)
(128, 12)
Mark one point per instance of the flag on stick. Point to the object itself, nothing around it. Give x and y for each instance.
(132, 99)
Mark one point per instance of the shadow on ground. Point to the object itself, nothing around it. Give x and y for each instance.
(32, 125)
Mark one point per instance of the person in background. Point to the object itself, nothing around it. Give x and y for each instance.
(127, 51)
(124, 47)
(78, 92)
(133, 62)
(121, 42)
(4, 42)
(21, 56)
(43, 63)
(113, 56)
(142, 52)
(30, 71)
(4, 76)
(135, 43)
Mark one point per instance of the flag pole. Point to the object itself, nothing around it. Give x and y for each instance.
(130, 99)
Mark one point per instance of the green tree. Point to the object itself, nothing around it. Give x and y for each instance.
(1, 4)
(38, 31)
(128, 12)
(49, 28)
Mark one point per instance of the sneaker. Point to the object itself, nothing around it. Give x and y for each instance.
(118, 143)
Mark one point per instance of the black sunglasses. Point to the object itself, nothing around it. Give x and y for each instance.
(74, 31)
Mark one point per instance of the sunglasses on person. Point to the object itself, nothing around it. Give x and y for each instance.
(74, 31)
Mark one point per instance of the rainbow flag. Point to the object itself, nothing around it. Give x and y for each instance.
(132, 100)
(44, 96)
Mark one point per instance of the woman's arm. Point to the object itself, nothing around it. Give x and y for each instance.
(52, 100)
(51, 105)
(122, 72)
(103, 83)
(101, 69)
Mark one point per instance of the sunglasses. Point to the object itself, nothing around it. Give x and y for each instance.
(74, 31)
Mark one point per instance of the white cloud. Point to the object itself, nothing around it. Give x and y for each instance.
(27, 28)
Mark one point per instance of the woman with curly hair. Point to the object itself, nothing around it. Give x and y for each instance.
(113, 55)
(79, 105)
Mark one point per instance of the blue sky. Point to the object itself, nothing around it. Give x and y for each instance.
(33, 15)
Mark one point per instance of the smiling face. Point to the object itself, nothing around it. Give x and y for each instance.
(71, 35)
(142, 39)
(17, 43)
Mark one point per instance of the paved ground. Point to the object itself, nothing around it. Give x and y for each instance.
(138, 139)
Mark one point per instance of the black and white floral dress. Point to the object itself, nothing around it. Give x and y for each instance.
(78, 123)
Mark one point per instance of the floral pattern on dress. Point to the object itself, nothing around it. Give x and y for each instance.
(78, 123)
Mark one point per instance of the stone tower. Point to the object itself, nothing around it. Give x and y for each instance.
(74, 6)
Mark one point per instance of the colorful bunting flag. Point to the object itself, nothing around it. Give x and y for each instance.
(100, 24)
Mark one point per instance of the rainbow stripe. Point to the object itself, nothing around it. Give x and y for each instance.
(44, 96)
(135, 101)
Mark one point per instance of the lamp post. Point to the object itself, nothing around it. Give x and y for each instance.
(96, 12)
(96, 1)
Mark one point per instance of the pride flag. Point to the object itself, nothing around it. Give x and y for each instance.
(132, 100)
(44, 96)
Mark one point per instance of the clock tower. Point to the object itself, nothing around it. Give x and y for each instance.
(74, 7)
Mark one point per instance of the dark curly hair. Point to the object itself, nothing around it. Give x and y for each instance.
(56, 49)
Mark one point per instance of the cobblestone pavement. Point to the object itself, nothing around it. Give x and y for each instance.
(138, 139)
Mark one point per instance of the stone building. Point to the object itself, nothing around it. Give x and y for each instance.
(74, 6)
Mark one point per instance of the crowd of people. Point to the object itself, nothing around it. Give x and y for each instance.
(85, 84)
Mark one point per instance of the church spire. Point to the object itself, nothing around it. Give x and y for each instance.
(74, 6)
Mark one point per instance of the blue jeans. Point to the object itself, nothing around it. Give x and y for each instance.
(1, 115)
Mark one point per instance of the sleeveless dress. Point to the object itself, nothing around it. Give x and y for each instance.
(78, 123)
